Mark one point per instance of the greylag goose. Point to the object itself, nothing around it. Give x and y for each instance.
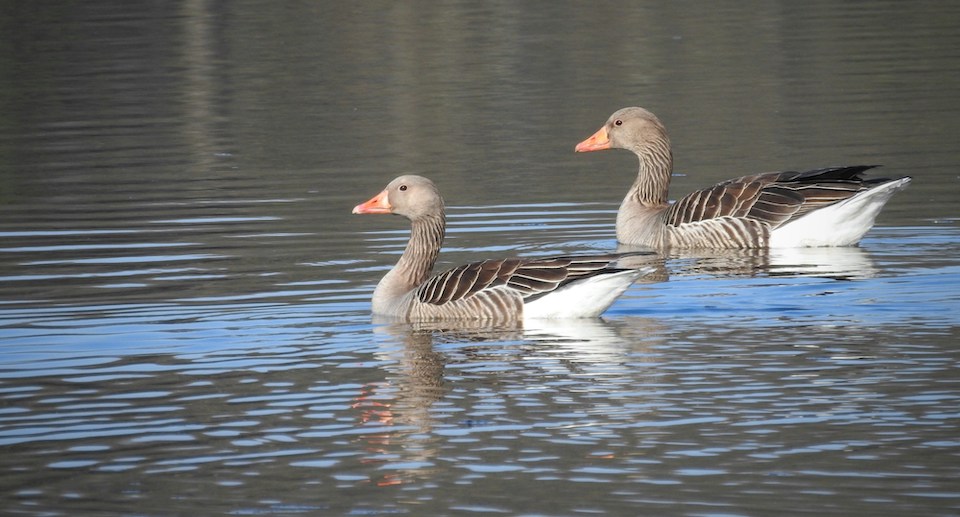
(501, 289)
(834, 206)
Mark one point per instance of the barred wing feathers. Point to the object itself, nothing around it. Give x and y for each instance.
(527, 278)
(772, 198)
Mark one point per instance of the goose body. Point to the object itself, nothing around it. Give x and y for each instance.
(498, 289)
(833, 206)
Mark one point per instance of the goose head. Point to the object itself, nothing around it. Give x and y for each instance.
(634, 129)
(410, 196)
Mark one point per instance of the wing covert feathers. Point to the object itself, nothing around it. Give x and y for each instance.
(772, 198)
(526, 278)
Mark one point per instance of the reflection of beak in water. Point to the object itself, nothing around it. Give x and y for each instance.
(376, 412)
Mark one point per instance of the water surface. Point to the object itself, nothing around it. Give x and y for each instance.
(184, 295)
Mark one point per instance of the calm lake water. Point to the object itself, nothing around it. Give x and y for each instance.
(184, 295)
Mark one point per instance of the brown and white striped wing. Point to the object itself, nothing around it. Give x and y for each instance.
(823, 187)
(526, 278)
(537, 277)
(465, 281)
(744, 198)
(771, 198)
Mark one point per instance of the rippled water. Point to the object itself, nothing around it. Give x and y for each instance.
(184, 295)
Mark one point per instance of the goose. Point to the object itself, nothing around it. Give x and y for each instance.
(832, 206)
(507, 289)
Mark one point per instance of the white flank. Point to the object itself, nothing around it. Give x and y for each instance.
(840, 224)
(586, 298)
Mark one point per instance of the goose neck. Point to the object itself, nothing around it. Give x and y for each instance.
(420, 255)
(652, 186)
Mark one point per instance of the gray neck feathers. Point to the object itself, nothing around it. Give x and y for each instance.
(416, 263)
(652, 185)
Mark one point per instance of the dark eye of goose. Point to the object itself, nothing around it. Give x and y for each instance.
(618, 123)
(403, 188)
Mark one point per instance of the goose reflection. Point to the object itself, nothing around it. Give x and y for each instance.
(594, 344)
(419, 365)
(839, 263)
(400, 404)
(848, 263)
(418, 358)
(418, 354)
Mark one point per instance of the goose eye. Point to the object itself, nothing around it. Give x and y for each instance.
(403, 188)
(618, 123)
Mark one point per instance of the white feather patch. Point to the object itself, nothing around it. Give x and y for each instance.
(840, 224)
(586, 298)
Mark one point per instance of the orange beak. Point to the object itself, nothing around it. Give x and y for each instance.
(597, 142)
(378, 204)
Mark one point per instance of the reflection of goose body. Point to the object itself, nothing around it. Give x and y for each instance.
(417, 353)
(501, 289)
(846, 263)
(579, 342)
(834, 206)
